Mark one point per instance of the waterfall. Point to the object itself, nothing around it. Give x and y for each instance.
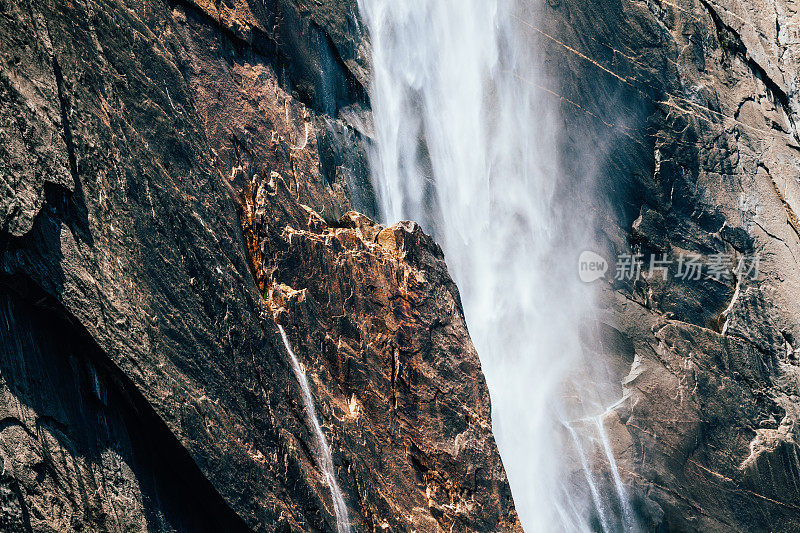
(324, 452)
(466, 143)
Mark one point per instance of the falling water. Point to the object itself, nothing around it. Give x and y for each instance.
(325, 458)
(597, 500)
(627, 512)
(466, 143)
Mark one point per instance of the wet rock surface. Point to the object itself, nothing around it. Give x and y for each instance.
(686, 112)
(174, 177)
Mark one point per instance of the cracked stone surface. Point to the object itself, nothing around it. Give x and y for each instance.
(33, 145)
(697, 153)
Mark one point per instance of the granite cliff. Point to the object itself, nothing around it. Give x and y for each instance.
(178, 178)
(181, 176)
(688, 113)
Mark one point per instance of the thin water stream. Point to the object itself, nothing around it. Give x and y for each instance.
(324, 456)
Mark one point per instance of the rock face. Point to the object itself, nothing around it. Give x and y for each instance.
(689, 111)
(381, 333)
(180, 176)
(163, 165)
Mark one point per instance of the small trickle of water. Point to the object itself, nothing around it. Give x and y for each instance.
(597, 500)
(628, 521)
(324, 452)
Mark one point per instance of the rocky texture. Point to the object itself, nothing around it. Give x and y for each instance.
(689, 111)
(81, 450)
(178, 175)
(33, 145)
(381, 333)
(153, 155)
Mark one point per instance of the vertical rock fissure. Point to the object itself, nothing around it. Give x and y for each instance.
(62, 100)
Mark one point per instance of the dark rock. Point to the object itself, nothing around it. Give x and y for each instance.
(155, 154)
(697, 150)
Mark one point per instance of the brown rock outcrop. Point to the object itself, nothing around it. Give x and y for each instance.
(385, 343)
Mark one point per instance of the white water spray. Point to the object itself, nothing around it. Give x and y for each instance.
(324, 452)
(465, 143)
